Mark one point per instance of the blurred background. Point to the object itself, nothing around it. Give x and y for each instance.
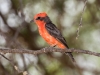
(16, 31)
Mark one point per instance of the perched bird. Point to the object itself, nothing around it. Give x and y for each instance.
(50, 32)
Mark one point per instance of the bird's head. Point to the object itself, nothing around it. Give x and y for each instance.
(41, 18)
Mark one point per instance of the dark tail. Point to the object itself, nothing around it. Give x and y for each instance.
(70, 55)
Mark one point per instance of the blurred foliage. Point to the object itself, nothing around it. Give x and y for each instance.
(16, 31)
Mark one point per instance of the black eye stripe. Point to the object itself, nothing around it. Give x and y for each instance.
(45, 19)
(38, 18)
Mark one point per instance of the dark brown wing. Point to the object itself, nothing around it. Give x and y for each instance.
(54, 31)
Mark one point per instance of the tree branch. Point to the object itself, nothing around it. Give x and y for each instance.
(46, 50)
(80, 23)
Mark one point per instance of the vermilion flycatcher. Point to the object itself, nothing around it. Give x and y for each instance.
(50, 32)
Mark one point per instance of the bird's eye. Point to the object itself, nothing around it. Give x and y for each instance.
(38, 18)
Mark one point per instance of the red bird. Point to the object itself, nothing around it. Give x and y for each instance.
(50, 32)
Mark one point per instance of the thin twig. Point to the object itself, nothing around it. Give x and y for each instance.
(46, 50)
(80, 23)
(5, 57)
(16, 68)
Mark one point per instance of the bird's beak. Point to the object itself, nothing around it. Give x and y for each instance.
(31, 21)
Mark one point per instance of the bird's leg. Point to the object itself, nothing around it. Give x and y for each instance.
(50, 46)
(53, 45)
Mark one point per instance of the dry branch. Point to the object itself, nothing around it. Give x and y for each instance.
(80, 24)
(46, 50)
